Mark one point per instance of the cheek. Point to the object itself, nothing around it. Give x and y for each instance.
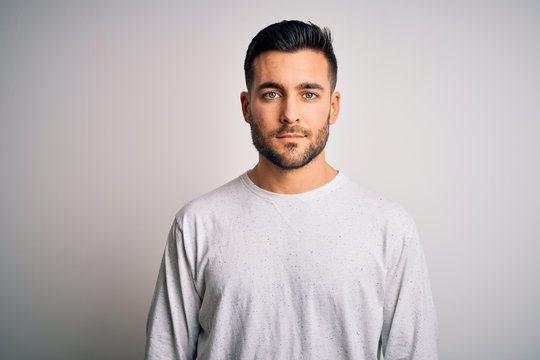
(261, 124)
(317, 113)
(265, 110)
(265, 116)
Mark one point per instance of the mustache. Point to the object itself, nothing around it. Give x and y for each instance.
(296, 129)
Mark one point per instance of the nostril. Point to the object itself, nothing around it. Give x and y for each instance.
(289, 119)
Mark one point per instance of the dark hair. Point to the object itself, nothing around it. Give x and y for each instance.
(290, 36)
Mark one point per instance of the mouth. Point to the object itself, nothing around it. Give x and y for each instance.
(290, 136)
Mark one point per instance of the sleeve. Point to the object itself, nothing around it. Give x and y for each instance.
(409, 320)
(172, 328)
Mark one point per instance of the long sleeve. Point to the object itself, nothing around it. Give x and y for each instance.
(410, 325)
(172, 328)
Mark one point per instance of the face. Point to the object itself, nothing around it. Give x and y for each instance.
(290, 107)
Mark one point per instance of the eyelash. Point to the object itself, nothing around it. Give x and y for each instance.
(268, 97)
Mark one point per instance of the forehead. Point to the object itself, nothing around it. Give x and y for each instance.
(292, 68)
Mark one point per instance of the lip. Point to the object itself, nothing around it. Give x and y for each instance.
(289, 136)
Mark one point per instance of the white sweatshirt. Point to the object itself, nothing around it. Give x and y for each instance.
(333, 273)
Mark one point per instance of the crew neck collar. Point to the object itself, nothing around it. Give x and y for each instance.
(307, 195)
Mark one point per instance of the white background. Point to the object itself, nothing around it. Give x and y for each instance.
(114, 114)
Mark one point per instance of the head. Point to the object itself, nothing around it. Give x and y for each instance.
(291, 73)
(290, 36)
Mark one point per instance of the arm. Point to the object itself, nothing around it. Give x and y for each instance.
(410, 326)
(172, 327)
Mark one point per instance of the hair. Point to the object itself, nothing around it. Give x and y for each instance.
(291, 36)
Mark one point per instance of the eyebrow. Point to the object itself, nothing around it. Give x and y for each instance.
(308, 85)
(270, 85)
(275, 85)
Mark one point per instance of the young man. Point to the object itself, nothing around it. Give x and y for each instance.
(292, 260)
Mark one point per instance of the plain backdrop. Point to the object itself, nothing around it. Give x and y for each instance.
(115, 113)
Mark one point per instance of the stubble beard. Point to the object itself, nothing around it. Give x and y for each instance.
(264, 146)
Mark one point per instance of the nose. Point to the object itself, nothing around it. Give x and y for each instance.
(290, 111)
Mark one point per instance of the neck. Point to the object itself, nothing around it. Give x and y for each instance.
(309, 177)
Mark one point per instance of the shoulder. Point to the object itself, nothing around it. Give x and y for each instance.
(216, 200)
(376, 203)
(399, 234)
(391, 219)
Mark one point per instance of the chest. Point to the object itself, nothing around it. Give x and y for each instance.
(319, 255)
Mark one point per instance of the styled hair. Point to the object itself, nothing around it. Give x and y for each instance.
(291, 36)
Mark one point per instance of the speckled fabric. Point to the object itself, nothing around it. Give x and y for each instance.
(333, 273)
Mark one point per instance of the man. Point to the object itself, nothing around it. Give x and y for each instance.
(292, 260)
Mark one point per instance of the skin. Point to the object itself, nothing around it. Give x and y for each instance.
(290, 106)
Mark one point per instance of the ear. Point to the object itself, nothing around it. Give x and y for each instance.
(244, 100)
(334, 106)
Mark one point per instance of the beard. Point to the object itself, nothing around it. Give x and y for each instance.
(292, 158)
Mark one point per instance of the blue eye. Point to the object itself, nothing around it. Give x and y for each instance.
(271, 95)
(310, 95)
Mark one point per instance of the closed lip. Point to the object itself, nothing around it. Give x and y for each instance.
(291, 136)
